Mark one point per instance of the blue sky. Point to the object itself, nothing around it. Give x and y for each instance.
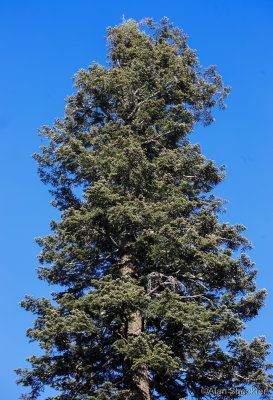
(43, 45)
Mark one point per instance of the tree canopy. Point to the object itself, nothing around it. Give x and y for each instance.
(154, 290)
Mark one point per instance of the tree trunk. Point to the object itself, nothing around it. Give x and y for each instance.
(140, 379)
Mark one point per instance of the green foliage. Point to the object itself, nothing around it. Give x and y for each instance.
(132, 187)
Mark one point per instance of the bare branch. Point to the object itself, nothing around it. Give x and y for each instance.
(155, 138)
(147, 99)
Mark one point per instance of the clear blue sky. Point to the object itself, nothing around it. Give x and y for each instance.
(43, 44)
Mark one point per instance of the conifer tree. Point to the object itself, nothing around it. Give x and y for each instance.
(154, 290)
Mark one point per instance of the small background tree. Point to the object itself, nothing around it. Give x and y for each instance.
(150, 282)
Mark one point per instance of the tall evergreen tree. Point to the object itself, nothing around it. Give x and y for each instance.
(153, 294)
